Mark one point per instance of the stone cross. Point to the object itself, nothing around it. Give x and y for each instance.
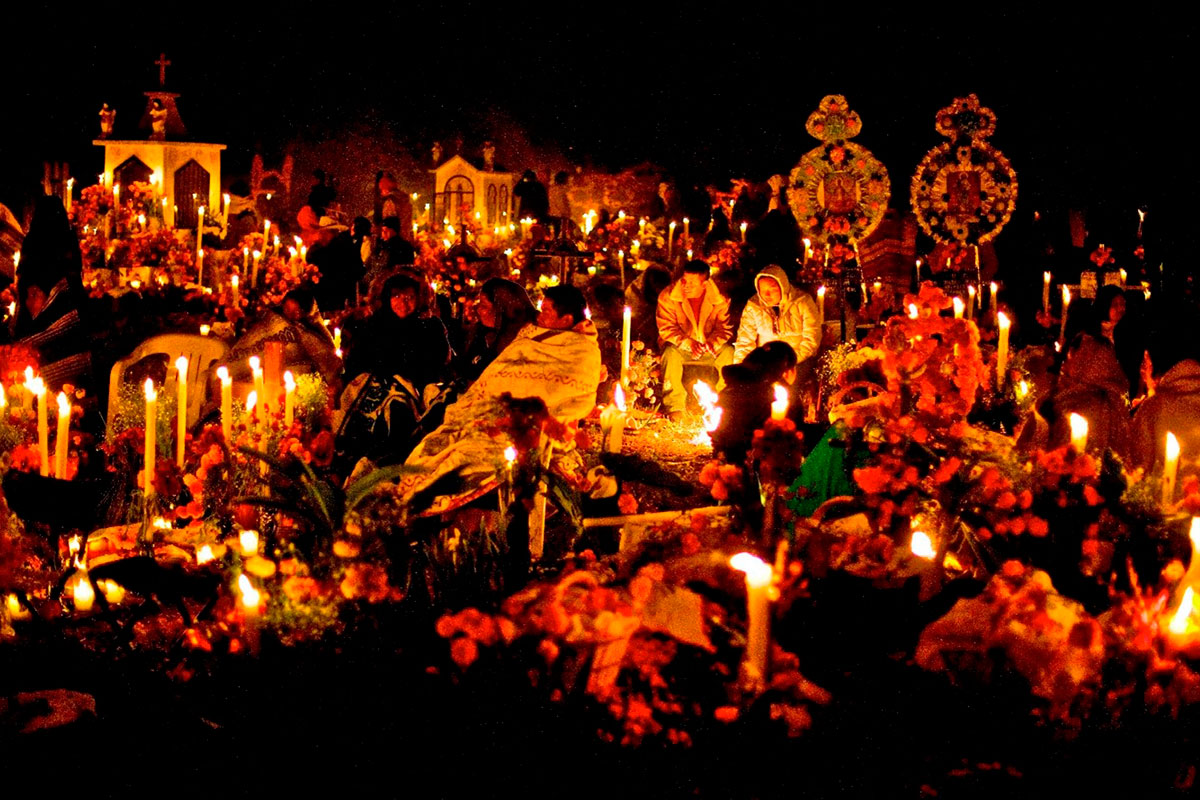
(162, 64)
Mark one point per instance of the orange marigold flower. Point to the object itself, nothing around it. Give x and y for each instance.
(1005, 501)
(726, 714)
(1037, 526)
(446, 626)
(627, 503)
(464, 651)
(301, 588)
(368, 581)
(640, 588)
(946, 470)
(690, 544)
(1012, 569)
(1091, 496)
(346, 549)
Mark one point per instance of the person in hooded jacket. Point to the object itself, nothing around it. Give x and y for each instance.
(778, 311)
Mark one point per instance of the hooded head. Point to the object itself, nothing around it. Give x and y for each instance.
(773, 286)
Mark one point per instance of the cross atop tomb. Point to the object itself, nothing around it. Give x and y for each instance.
(162, 65)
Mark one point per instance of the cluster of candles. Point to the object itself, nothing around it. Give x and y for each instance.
(35, 393)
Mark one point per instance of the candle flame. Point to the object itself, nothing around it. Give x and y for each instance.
(781, 394)
(205, 330)
(510, 454)
(204, 554)
(64, 405)
(913, 311)
(233, 281)
(1022, 390)
(1172, 447)
(249, 542)
(83, 593)
(289, 381)
(619, 397)
(251, 401)
(181, 365)
(151, 395)
(922, 546)
(1179, 622)
(758, 572)
(114, 592)
(1079, 428)
(1002, 320)
(223, 374)
(959, 305)
(255, 364)
(250, 596)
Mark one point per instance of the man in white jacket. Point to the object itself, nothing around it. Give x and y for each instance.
(778, 311)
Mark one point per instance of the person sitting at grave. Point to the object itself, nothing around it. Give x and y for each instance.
(243, 215)
(1173, 368)
(307, 343)
(50, 322)
(394, 203)
(693, 328)
(503, 309)
(779, 311)
(746, 399)
(1091, 382)
(337, 258)
(392, 370)
(555, 360)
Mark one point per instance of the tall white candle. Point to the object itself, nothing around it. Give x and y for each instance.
(1003, 324)
(181, 403)
(199, 231)
(151, 437)
(758, 611)
(670, 239)
(37, 392)
(958, 307)
(226, 402)
(259, 389)
(289, 398)
(1170, 469)
(266, 237)
(63, 440)
(626, 326)
(992, 308)
(743, 229)
(1066, 304)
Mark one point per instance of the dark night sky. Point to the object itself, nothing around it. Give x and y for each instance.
(1091, 111)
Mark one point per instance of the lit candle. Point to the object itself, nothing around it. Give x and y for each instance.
(958, 307)
(641, 226)
(249, 542)
(918, 265)
(63, 439)
(1066, 303)
(142, 222)
(81, 589)
(257, 371)
(687, 227)
(70, 188)
(779, 405)
(266, 237)
(1003, 323)
(670, 239)
(1170, 469)
(250, 596)
(626, 326)
(245, 259)
(151, 434)
(199, 230)
(758, 612)
(254, 268)
(992, 289)
(621, 263)
(164, 210)
(970, 301)
(225, 209)
(1079, 432)
(226, 401)
(612, 422)
(114, 592)
(289, 398)
(200, 267)
(181, 367)
(205, 330)
(743, 227)
(913, 311)
(233, 285)
(821, 299)
(337, 338)
(12, 604)
(37, 389)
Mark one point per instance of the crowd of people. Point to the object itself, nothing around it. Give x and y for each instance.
(417, 368)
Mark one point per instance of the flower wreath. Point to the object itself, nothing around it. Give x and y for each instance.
(964, 190)
(844, 165)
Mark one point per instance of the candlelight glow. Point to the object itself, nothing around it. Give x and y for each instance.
(958, 307)
(1079, 432)
(223, 373)
(64, 405)
(922, 545)
(913, 311)
(619, 397)
(151, 395)
(204, 555)
(251, 401)
(510, 454)
(289, 381)
(250, 596)
(249, 542)
(1179, 622)
(114, 592)
(81, 590)
(708, 402)
(1172, 447)
(758, 572)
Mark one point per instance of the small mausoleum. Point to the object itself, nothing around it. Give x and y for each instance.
(188, 174)
(482, 189)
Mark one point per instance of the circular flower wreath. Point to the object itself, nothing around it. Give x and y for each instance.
(838, 161)
(964, 190)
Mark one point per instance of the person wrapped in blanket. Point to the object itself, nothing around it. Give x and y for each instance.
(392, 370)
(555, 359)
